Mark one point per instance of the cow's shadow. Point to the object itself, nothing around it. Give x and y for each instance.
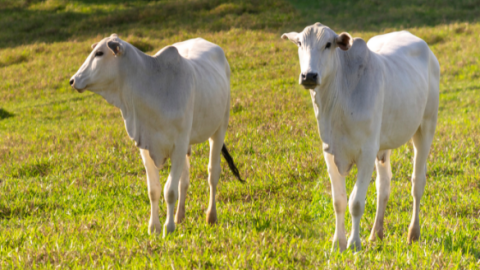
(5, 114)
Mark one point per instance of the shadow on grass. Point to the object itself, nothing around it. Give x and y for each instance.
(376, 15)
(25, 210)
(36, 169)
(30, 21)
(4, 114)
(25, 22)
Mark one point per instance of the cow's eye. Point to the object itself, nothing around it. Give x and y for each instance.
(299, 44)
(328, 45)
(98, 54)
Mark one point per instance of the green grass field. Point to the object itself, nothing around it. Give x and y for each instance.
(73, 188)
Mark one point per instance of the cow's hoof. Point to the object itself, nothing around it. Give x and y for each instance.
(355, 244)
(154, 227)
(168, 229)
(413, 234)
(376, 234)
(339, 245)
(179, 217)
(212, 217)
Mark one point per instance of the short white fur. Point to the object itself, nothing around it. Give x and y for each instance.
(369, 99)
(169, 101)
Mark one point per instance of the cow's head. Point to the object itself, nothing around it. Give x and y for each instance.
(100, 69)
(316, 49)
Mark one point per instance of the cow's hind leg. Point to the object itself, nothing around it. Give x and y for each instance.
(384, 175)
(422, 141)
(182, 191)
(214, 170)
(339, 196)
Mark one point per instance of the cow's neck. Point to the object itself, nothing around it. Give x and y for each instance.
(328, 97)
(136, 69)
(333, 97)
(129, 91)
(328, 92)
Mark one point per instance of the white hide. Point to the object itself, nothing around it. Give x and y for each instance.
(169, 101)
(368, 99)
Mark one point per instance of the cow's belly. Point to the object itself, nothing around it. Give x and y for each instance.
(204, 126)
(403, 111)
(211, 112)
(405, 93)
(394, 135)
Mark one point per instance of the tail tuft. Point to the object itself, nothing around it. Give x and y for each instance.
(232, 166)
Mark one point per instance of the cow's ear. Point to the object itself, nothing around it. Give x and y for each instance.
(292, 36)
(116, 47)
(94, 45)
(344, 41)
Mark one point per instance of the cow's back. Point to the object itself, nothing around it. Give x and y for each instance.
(212, 85)
(409, 67)
(201, 51)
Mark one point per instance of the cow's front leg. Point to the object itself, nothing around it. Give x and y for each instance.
(170, 190)
(154, 191)
(339, 196)
(357, 198)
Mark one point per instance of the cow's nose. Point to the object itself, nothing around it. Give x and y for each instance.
(309, 78)
(72, 81)
(312, 77)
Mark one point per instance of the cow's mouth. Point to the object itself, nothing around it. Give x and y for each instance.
(309, 85)
(73, 84)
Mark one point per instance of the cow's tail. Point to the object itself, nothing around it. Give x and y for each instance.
(232, 166)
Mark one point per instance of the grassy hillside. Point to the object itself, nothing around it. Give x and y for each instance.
(72, 185)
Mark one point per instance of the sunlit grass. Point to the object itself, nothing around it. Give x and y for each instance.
(72, 185)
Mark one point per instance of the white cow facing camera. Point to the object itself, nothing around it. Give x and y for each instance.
(169, 101)
(369, 98)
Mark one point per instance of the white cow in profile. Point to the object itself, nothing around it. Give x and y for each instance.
(169, 101)
(369, 98)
